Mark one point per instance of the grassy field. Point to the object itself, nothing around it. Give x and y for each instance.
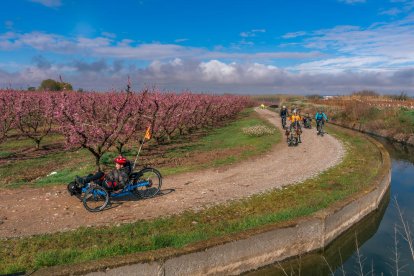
(359, 167)
(21, 165)
(406, 118)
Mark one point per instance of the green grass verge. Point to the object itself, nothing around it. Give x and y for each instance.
(36, 171)
(357, 171)
(406, 118)
(5, 154)
(230, 137)
(26, 143)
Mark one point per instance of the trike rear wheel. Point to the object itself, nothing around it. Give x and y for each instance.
(95, 199)
(151, 180)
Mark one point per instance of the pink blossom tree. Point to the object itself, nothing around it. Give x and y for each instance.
(7, 113)
(34, 114)
(134, 127)
(94, 121)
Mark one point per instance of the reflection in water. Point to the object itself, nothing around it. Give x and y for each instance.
(375, 233)
(399, 152)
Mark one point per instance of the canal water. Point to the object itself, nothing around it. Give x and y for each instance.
(368, 246)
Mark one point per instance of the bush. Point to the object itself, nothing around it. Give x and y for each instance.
(406, 116)
(402, 97)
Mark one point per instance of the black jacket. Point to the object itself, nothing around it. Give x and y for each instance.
(283, 113)
(119, 177)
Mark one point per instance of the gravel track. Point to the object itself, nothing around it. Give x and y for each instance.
(30, 211)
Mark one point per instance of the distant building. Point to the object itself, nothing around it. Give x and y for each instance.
(328, 97)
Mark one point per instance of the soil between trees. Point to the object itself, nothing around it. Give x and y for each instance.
(31, 211)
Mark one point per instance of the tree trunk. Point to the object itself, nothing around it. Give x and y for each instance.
(37, 141)
(97, 162)
(120, 147)
(97, 158)
(168, 138)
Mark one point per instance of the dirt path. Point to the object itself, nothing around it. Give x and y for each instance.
(35, 211)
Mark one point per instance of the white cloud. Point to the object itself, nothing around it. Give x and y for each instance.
(262, 55)
(145, 51)
(128, 49)
(403, 5)
(341, 64)
(294, 34)
(252, 33)
(93, 43)
(181, 40)
(219, 72)
(244, 34)
(335, 60)
(390, 41)
(213, 76)
(48, 3)
(392, 12)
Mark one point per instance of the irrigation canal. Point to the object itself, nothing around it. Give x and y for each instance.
(374, 234)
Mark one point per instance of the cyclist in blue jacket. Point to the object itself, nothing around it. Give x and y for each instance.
(320, 118)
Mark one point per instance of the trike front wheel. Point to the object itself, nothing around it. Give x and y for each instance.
(95, 199)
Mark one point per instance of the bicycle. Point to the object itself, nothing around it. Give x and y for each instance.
(293, 137)
(319, 127)
(284, 122)
(145, 183)
(307, 123)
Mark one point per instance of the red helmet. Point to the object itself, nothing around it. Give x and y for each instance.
(120, 160)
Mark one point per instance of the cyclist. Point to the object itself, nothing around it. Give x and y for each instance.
(116, 179)
(295, 121)
(307, 120)
(284, 114)
(320, 118)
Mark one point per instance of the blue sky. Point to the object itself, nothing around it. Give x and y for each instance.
(244, 46)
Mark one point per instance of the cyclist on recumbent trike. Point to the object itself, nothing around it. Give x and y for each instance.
(98, 189)
(114, 180)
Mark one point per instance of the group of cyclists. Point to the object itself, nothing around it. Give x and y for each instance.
(296, 120)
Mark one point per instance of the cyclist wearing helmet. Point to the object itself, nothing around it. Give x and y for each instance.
(307, 119)
(295, 121)
(116, 179)
(320, 118)
(284, 114)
